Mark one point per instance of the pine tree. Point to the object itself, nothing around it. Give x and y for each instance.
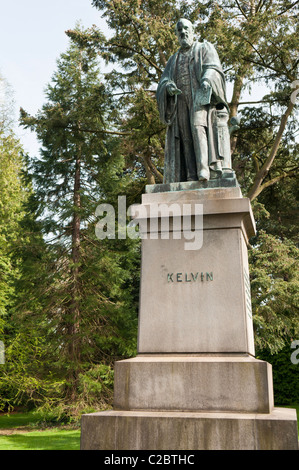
(257, 43)
(12, 195)
(19, 348)
(89, 318)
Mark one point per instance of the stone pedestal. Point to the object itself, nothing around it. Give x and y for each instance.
(196, 301)
(195, 383)
(153, 430)
(224, 383)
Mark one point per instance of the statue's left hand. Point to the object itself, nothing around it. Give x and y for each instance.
(205, 85)
(173, 90)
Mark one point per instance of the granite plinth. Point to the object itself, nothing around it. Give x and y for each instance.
(147, 430)
(194, 383)
(195, 300)
(228, 180)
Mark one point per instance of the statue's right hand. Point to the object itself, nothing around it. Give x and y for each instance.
(173, 90)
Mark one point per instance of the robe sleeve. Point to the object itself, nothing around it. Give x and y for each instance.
(212, 73)
(166, 103)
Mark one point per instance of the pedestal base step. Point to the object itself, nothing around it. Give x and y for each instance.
(144, 430)
(194, 383)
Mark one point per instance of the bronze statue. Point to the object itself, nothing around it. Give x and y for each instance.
(192, 102)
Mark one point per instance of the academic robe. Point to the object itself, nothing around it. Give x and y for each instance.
(204, 64)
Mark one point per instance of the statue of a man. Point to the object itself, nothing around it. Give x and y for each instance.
(192, 102)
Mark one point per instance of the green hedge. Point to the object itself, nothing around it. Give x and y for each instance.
(285, 374)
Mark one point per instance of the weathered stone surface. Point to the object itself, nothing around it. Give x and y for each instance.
(194, 383)
(201, 301)
(225, 182)
(192, 190)
(195, 374)
(145, 430)
(221, 208)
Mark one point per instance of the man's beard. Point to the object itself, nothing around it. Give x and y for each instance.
(186, 41)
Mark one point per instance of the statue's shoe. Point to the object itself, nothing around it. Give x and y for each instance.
(203, 175)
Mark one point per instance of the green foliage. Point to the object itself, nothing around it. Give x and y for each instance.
(69, 301)
(96, 382)
(257, 43)
(70, 126)
(12, 195)
(16, 420)
(22, 381)
(285, 375)
(275, 288)
(75, 297)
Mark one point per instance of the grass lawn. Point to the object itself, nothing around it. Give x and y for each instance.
(53, 439)
(16, 420)
(20, 431)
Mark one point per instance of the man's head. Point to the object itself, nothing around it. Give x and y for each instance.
(185, 33)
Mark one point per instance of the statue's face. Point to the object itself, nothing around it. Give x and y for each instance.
(184, 31)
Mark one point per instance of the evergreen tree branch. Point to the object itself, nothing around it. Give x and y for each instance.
(241, 9)
(284, 175)
(269, 66)
(101, 131)
(288, 8)
(126, 47)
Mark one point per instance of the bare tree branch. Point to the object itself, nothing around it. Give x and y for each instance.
(258, 186)
(279, 178)
(93, 131)
(288, 8)
(241, 9)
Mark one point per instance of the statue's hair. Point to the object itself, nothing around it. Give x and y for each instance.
(180, 20)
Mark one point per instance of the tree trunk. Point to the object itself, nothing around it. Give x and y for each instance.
(149, 175)
(74, 324)
(234, 105)
(258, 186)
